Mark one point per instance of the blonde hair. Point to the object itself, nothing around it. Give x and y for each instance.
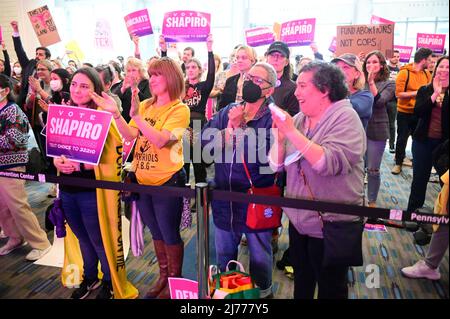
(359, 82)
(251, 52)
(45, 63)
(134, 62)
(171, 70)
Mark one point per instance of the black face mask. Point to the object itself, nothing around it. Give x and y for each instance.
(251, 92)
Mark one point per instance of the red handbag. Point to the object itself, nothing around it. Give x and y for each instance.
(261, 216)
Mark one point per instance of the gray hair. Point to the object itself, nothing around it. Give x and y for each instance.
(271, 73)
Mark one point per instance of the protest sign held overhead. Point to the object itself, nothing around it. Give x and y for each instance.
(365, 38)
(435, 42)
(44, 26)
(405, 52)
(186, 26)
(259, 36)
(298, 32)
(138, 23)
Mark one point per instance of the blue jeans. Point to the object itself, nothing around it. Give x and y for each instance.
(162, 214)
(375, 151)
(82, 216)
(260, 248)
(422, 152)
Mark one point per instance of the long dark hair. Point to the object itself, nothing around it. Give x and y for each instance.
(437, 64)
(384, 72)
(6, 83)
(94, 77)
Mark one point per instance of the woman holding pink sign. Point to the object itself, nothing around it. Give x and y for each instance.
(93, 215)
(158, 124)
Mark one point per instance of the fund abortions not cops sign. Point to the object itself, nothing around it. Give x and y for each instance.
(77, 133)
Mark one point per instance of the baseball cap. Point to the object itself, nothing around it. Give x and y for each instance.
(279, 46)
(349, 59)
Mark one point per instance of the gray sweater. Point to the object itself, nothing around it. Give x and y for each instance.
(341, 177)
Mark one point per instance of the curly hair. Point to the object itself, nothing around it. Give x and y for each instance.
(327, 78)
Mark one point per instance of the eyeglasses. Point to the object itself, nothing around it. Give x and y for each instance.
(256, 79)
(40, 70)
(276, 55)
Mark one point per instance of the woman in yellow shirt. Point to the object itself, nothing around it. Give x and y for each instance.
(158, 123)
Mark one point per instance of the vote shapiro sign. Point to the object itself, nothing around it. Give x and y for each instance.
(77, 133)
(186, 26)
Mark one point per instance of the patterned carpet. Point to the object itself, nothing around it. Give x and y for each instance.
(387, 252)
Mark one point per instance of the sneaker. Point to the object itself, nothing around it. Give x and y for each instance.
(421, 270)
(396, 170)
(10, 246)
(407, 162)
(392, 150)
(85, 288)
(106, 291)
(37, 254)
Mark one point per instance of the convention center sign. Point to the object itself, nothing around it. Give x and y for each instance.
(77, 133)
(298, 32)
(435, 42)
(138, 23)
(405, 52)
(365, 38)
(186, 26)
(44, 26)
(259, 36)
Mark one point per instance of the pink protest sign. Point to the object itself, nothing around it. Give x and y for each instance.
(138, 23)
(126, 150)
(298, 32)
(259, 36)
(77, 133)
(332, 47)
(435, 42)
(181, 288)
(405, 52)
(378, 20)
(44, 26)
(375, 228)
(186, 26)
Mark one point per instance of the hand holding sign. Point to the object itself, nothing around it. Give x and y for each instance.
(209, 42)
(15, 26)
(162, 43)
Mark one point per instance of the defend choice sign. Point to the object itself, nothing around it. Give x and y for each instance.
(186, 26)
(44, 26)
(435, 42)
(298, 32)
(138, 23)
(77, 133)
(259, 36)
(365, 38)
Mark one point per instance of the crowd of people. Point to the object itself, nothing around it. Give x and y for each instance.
(337, 119)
